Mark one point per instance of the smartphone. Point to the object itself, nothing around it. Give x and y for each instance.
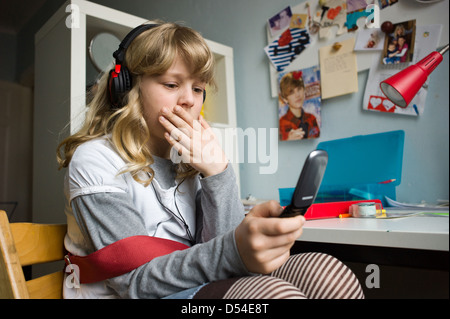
(308, 184)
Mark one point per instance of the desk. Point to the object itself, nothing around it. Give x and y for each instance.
(415, 232)
(412, 252)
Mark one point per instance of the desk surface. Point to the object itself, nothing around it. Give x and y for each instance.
(414, 232)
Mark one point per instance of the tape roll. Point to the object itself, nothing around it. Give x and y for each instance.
(366, 209)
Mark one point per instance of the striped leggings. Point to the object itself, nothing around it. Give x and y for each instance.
(303, 276)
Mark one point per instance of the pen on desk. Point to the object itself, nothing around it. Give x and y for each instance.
(388, 181)
(345, 215)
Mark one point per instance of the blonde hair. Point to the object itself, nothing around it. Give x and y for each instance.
(150, 53)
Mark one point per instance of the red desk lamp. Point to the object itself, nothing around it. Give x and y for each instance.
(403, 86)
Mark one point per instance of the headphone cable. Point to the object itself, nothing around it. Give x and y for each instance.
(180, 217)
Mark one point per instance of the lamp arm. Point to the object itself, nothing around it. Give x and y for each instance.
(443, 50)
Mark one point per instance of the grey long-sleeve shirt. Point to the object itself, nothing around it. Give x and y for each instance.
(104, 218)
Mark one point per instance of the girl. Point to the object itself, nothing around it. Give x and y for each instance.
(121, 182)
(402, 48)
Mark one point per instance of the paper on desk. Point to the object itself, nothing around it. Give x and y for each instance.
(425, 207)
(338, 69)
(393, 214)
(399, 210)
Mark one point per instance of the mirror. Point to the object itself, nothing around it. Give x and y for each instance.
(101, 48)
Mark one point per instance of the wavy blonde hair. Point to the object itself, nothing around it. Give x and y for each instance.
(150, 53)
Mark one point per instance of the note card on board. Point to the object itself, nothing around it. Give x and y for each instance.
(338, 69)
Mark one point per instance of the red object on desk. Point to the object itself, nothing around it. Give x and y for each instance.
(334, 209)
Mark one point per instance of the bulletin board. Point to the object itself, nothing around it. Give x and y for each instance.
(403, 10)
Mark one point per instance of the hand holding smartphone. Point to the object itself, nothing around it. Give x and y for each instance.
(308, 184)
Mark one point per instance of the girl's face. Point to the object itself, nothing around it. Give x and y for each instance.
(296, 98)
(177, 86)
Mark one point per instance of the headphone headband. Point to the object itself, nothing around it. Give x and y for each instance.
(119, 54)
(120, 79)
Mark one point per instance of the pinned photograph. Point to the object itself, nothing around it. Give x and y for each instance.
(299, 104)
(399, 45)
(279, 22)
(298, 21)
(370, 40)
(387, 3)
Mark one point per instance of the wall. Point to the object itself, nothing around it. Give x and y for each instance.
(241, 25)
(8, 52)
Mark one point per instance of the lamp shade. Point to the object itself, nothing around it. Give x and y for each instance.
(403, 86)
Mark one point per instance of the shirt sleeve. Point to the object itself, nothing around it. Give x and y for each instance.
(220, 205)
(107, 217)
(94, 168)
(402, 52)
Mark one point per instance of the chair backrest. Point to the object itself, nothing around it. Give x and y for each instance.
(24, 244)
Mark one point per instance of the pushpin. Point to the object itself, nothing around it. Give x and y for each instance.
(387, 27)
(336, 46)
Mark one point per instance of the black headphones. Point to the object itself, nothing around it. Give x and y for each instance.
(120, 80)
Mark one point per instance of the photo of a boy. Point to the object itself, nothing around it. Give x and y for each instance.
(391, 55)
(296, 123)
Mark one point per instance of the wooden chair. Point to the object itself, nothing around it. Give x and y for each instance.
(23, 244)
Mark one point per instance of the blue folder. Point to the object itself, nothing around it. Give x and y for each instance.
(362, 167)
